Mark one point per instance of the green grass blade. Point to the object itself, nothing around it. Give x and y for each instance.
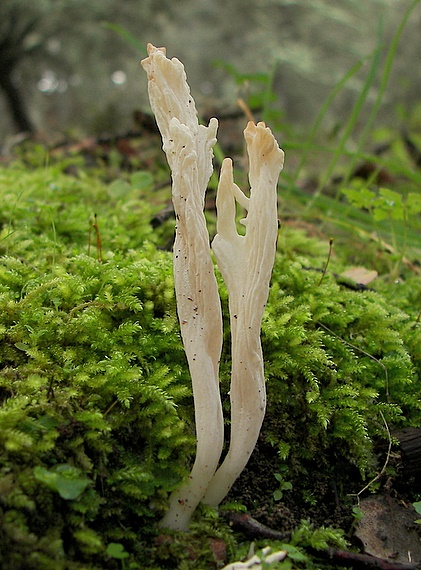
(127, 36)
(323, 110)
(349, 127)
(390, 57)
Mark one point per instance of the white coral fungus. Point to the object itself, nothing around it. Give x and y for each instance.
(245, 263)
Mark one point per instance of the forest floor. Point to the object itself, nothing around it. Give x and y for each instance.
(373, 215)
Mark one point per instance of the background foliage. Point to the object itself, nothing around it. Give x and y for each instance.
(60, 59)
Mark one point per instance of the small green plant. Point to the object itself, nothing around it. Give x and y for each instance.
(417, 507)
(386, 205)
(318, 538)
(283, 486)
(116, 550)
(66, 480)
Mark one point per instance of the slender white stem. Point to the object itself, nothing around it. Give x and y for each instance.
(188, 147)
(246, 264)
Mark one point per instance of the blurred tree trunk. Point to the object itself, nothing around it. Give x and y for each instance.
(16, 24)
(15, 102)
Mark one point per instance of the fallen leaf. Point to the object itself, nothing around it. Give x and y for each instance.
(360, 275)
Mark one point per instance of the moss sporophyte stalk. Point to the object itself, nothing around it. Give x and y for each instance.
(245, 263)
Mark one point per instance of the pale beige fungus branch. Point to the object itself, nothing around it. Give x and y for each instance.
(246, 264)
(188, 147)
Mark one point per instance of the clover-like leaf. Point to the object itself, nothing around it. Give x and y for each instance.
(116, 550)
(65, 479)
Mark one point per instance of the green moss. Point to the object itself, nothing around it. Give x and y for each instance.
(337, 359)
(96, 418)
(93, 374)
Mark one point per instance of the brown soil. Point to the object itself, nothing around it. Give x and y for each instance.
(387, 529)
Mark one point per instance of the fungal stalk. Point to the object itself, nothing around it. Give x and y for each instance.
(188, 147)
(245, 262)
